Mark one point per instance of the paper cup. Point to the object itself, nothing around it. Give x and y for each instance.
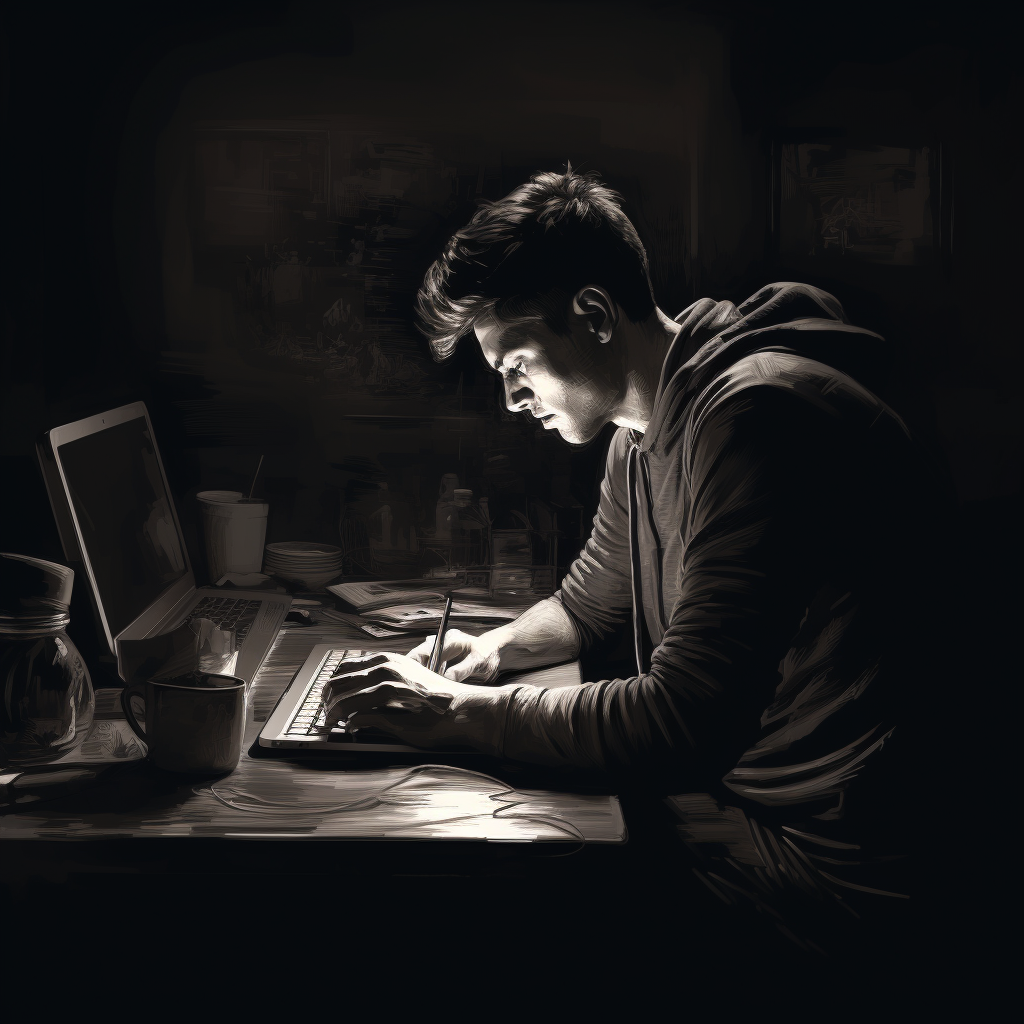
(235, 529)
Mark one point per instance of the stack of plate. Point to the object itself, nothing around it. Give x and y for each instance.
(309, 564)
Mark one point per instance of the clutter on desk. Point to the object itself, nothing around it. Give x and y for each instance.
(488, 586)
(526, 580)
(328, 615)
(108, 743)
(216, 648)
(426, 615)
(369, 595)
(445, 513)
(109, 738)
(48, 700)
(379, 631)
(243, 579)
(505, 580)
(29, 787)
(308, 564)
(462, 529)
(512, 547)
(235, 529)
(196, 645)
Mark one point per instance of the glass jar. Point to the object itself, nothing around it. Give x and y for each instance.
(46, 694)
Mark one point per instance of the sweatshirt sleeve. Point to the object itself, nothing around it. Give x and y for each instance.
(597, 590)
(753, 458)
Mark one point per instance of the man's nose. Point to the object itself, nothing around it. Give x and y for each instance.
(518, 399)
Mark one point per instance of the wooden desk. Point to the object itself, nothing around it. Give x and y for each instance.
(274, 799)
(150, 857)
(148, 861)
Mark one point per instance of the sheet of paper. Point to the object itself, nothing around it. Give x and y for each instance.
(427, 614)
(377, 593)
(328, 615)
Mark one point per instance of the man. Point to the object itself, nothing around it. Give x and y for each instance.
(759, 523)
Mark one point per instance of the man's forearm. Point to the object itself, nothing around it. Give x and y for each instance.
(542, 635)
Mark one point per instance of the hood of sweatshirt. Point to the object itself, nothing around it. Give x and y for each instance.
(785, 316)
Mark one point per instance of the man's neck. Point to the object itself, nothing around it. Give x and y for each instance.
(644, 347)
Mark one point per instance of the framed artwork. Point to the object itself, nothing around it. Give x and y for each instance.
(836, 201)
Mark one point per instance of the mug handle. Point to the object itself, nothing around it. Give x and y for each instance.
(126, 694)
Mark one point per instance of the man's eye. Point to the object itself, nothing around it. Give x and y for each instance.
(515, 372)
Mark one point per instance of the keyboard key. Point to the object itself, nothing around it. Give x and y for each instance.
(312, 715)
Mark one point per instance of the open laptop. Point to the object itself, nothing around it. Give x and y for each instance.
(298, 722)
(118, 525)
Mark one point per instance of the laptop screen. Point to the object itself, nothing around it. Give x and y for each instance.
(123, 510)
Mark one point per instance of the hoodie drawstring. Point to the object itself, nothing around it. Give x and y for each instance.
(634, 555)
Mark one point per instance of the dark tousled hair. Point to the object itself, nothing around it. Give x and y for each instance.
(524, 256)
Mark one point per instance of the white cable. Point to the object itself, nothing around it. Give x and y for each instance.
(378, 799)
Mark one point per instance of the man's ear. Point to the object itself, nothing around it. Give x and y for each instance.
(598, 309)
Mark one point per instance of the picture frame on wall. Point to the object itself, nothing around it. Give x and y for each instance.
(841, 203)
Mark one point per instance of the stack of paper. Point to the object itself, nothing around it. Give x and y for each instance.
(418, 604)
(364, 597)
(427, 614)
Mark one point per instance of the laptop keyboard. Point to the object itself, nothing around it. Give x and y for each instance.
(228, 613)
(311, 716)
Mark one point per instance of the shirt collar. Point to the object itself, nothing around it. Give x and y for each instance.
(674, 359)
(698, 324)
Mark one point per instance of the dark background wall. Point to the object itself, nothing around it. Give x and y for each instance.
(124, 278)
(135, 270)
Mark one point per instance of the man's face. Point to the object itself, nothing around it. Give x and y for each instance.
(562, 381)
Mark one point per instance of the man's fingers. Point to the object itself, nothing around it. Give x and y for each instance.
(390, 724)
(339, 685)
(464, 669)
(339, 708)
(358, 664)
(456, 645)
(422, 653)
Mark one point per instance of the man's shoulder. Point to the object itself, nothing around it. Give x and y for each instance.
(767, 374)
(618, 449)
(761, 386)
(777, 367)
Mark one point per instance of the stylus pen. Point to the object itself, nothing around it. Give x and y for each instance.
(435, 654)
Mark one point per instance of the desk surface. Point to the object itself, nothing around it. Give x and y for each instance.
(282, 799)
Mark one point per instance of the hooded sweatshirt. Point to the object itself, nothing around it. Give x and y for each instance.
(764, 537)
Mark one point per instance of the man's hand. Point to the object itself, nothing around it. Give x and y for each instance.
(542, 635)
(399, 696)
(471, 658)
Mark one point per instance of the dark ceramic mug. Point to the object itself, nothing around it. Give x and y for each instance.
(191, 725)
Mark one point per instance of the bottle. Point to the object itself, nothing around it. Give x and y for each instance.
(445, 513)
(485, 537)
(382, 518)
(464, 523)
(47, 700)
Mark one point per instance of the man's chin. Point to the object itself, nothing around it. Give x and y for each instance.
(571, 434)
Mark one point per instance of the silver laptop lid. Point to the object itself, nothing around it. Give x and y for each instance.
(124, 524)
